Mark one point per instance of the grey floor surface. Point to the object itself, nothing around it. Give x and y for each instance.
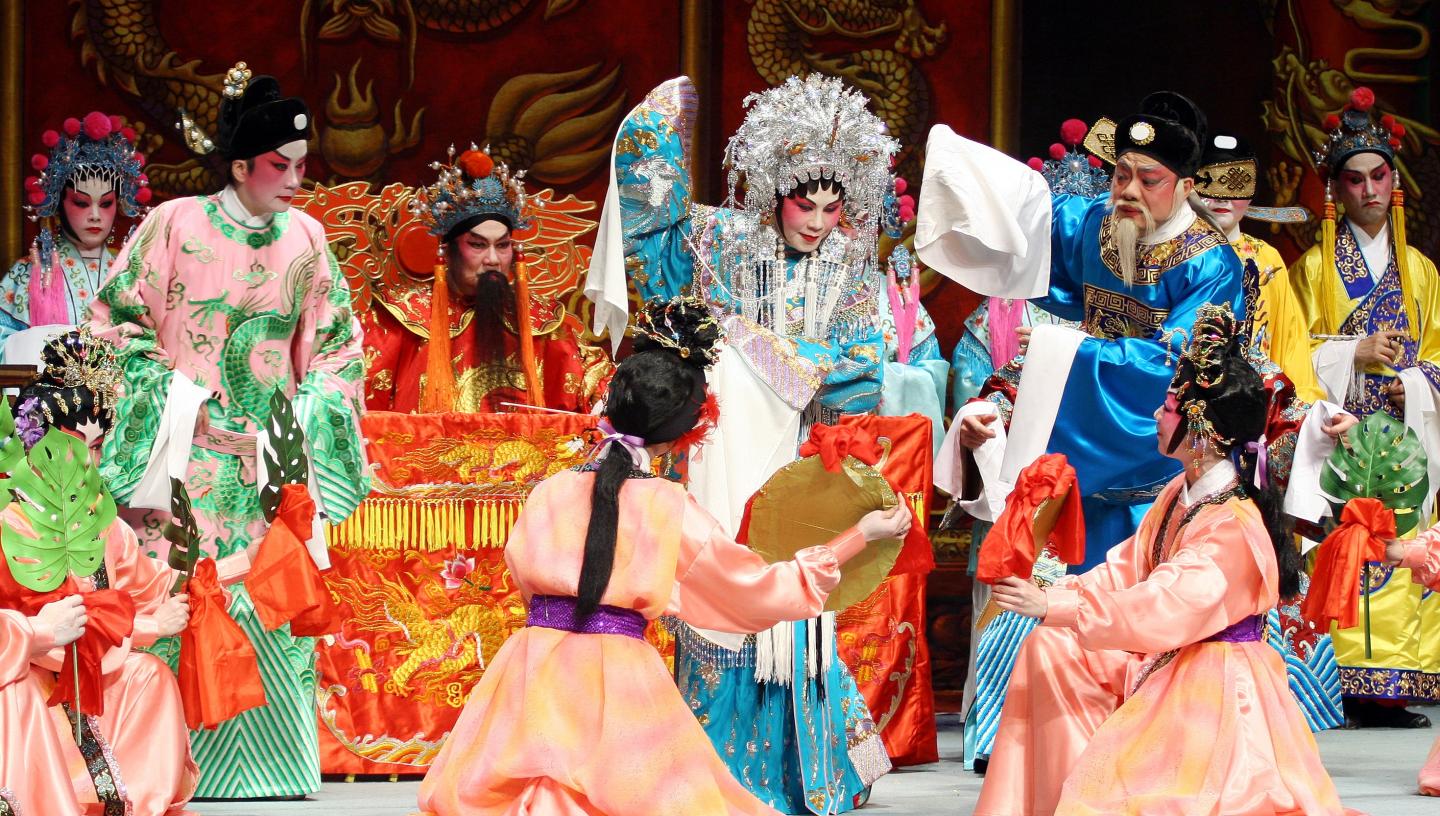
(1374, 771)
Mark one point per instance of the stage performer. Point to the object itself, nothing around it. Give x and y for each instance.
(793, 275)
(1372, 304)
(1132, 266)
(474, 209)
(91, 174)
(576, 714)
(1421, 555)
(1148, 683)
(134, 757)
(218, 301)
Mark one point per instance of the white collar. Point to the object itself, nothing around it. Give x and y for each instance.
(1178, 222)
(1210, 482)
(231, 204)
(1376, 250)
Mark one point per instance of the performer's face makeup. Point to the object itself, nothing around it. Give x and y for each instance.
(1363, 187)
(90, 212)
(1227, 211)
(487, 247)
(1143, 185)
(1167, 424)
(269, 183)
(806, 220)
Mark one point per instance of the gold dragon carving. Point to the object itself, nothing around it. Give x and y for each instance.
(781, 37)
(554, 124)
(1308, 89)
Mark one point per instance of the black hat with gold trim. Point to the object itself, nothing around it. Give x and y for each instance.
(1169, 128)
(1228, 169)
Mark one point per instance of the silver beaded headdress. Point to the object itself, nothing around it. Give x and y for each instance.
(816, 128)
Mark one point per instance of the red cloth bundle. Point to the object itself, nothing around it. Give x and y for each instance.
(219, 672)
(1365, 526)
(1011, 547)
(284, 583)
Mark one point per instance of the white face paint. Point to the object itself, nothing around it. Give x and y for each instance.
(89, 206)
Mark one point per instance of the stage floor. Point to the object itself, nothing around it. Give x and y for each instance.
(1374, 770)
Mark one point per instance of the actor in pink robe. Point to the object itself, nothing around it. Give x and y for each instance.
(567, 724)
(144, 746)
(1422, 558)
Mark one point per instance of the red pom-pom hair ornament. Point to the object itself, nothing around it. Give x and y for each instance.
(1332, 122)
(142, 195)
(1057, 151)
(1394, 142)
(1398, 131)
(31, 184)
(1072, 131)
(901, 185)
(140, 158)
(1387, 121)
(475, 164)
(116, 123)
(97, 125)
(1362, 98)
(128, 133)
(40, 161)
(50, 138)
(1094, 161)
(1036, 164)
(72, 127)
(35, 197)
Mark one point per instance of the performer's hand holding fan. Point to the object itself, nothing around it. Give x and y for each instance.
(820, 496)
(1042, 509)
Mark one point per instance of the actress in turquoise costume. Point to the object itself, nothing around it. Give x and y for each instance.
(90, 173)
(792, 272)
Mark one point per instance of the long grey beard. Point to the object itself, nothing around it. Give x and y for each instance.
(1127, 244)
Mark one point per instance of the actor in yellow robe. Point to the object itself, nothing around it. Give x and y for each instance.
(1373, 308)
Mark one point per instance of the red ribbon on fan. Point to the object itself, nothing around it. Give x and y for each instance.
(834, 442)
(110, 617)
(1365, 525)
(219, 672)
(1010, 549)
(284, 583)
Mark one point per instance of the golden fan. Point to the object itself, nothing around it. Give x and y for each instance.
(1047, 515)
(804, 504)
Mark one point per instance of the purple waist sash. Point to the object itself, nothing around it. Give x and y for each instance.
(1244, 631)
(558, 612)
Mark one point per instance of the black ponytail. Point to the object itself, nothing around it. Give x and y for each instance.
(657, 395)
(1238, 406)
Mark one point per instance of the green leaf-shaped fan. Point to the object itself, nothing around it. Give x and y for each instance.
(68, 509)
(183, 533)
(288, 440)
(1379, 459)
(12, 451)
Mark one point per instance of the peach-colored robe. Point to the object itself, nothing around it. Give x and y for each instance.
(143, 726)
(1422, 558)
(1215, 730)
(566, 724)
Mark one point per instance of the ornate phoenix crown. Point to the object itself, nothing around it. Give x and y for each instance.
(1354, 130)
(99, 146)
(816, 128)
(1069, 171)
(475, 184)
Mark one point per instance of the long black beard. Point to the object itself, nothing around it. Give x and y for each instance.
(494, 308)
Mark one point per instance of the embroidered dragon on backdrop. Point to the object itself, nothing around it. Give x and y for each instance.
(556, 125)
(1308, 88)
